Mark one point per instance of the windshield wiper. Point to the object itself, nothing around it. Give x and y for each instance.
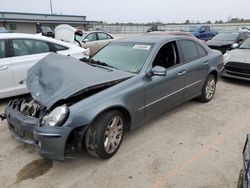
(91, 61)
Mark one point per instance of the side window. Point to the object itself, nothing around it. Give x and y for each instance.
(29, 46)
(58, 47)
(102, 36)
(2, 49)
(207, 29)
(189, 50)
(202, 29)
(201, 51)
(167, 56)
(91, 37)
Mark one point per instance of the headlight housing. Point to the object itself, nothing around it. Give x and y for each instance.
(226, 56)
(57, 116)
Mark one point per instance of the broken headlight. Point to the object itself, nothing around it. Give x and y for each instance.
(57, 116)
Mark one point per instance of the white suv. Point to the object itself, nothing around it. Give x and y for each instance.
(18, 52)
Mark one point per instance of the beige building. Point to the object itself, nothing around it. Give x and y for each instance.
(27, 22)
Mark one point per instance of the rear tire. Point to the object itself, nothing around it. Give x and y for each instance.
(104, 136)
(208, 89)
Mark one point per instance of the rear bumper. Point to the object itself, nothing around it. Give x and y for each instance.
(49, 141)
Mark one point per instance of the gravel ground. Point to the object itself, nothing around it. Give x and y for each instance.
(193, 145)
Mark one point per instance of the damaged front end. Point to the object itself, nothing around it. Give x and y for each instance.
(22, 117)
(25, 120)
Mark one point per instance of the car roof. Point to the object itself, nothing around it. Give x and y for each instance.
(152, 38)
(35, 36)
(88, 32)
(170, 33)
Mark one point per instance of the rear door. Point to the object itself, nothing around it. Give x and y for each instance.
(26, 52)
(196, 65)
(6, 84)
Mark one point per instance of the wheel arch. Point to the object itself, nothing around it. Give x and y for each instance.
(215, 74)
(122, 109)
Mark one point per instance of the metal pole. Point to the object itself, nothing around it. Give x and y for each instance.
(51, 8)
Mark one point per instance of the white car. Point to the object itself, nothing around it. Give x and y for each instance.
(18, 52)
(245, 29)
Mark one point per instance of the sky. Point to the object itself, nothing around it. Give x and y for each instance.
(137, 11)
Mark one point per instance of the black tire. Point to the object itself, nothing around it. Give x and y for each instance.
(96, 138)
(204, 98)
(240, 180)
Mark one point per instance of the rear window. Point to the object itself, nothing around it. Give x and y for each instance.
(2, 49)
(202, 52)
(189, 50)
(58, 47)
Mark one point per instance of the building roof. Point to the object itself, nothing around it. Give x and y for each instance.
(43, 18)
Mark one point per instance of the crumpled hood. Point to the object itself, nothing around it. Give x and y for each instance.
(240, 55)
(219, 43)
(57, 77)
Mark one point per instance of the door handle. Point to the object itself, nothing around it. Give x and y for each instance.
(4, 68)
(206, 63)
(181, 73)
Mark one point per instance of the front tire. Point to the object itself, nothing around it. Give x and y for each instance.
(208, 89)
(104, 136)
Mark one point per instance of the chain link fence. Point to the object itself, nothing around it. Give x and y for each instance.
(127, 29)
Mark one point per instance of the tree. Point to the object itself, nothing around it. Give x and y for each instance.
(187, 22)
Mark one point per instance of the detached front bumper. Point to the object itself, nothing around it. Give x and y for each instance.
(49, 141)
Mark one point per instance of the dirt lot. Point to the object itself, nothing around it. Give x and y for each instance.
(194, 145)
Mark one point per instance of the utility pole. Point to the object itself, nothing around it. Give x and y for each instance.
(51, 8)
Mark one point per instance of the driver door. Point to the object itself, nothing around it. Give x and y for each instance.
(164, 92)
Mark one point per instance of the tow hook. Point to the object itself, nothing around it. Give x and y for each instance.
(2, 116)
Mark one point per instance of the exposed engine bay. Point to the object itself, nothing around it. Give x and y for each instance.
(28, 107)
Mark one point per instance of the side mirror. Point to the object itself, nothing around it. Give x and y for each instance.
(86, 40)
(235, 45)
(157, 71)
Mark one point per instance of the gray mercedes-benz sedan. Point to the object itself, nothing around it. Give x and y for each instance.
(91, 104)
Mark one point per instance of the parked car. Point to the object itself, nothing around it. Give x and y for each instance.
(154, 28)
(244, 176)
(3, 30)
(47, 31)
(94, 40)
(201, 32)
(245, 29)
(127, 83)
(224, 41)
(173, 33)
(237, 62)
(18, 52)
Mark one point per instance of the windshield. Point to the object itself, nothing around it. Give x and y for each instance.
(245, 44)
(226, 36)
(129, 57)
(79, 38)
(46, 29)
(192, 29)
